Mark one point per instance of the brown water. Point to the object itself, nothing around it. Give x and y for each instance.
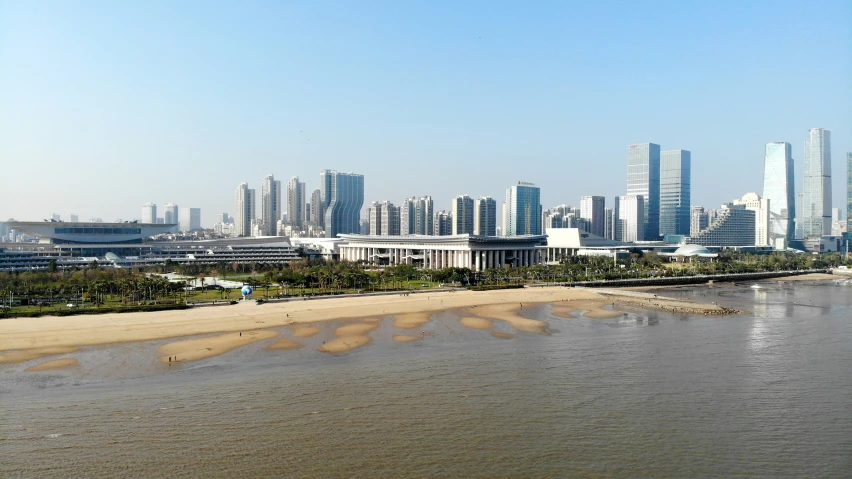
(646, 395)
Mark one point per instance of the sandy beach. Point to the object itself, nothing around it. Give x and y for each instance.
(807, 277)
(218, 328)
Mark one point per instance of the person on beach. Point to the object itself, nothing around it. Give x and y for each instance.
(241, 334)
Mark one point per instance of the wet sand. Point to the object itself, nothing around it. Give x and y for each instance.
(500, 335)
(207, 347)
(50, 365)
(406, 338)
(410, 320)
(305, 331)
(476, 323)
(349, 337)
(590, 309)
(807, 277)
(509, 314)
(284, 344)
(29, 354)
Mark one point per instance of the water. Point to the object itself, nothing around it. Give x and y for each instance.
(646, 395)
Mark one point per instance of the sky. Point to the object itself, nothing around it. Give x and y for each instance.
(105, 106)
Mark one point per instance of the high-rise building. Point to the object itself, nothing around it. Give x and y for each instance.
(73, 218)
(190, 219)
(462, 211)
(223, 218)
(270, 205)
(443, 223)
(608, 232)
(675, 192)
(417, 216)
(317, 212)
(643, 178)
(817, 186)
(384, 219)
(245, 213)
(344, 197)
(734, 226)
(631, 221)
(779, 189)
(149, 213)
(523, 204)
(592, 210)
(296, 202)
(849, 192)
(170, 215)
(485, 216)
(58, 217)
(761, 208)
(698, 220)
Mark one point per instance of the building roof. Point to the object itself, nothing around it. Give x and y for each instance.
(464, 239)
(88, 232)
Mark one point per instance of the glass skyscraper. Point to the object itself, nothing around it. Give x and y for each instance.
(524, 210)
(779, 189)
(817, 188)
(343, 195)
(643, 178)
(675, 191)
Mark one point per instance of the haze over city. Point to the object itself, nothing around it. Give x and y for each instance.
(114, 105)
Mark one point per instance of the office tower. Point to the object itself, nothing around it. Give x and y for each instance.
(836, 216)
(504, 228)
(416, 216)
(675, 191)
(631, 220)
(190, 219)
(296, 202)
(73, 218)
(462, 212)
(485, 216)
(608, 231)
(592, 211)
(817, 186)
(698, 220)
(55, 217)
(799, 220)
(149, 213)
(849, 192)
(551, 220)
(779, 189)
(443, 223)
(317, 212)
(643, 178)
(523, 205)
(270, 205)
(343, 196)
(761, 208)
(617, 232)
(733, 226)
(244, 199)
(224, 218)
(170, 216)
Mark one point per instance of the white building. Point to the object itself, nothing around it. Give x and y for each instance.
(384, 219)
(485, 216)
(734, 226)
(462, 211)
(416, 216)
(190, 219)
(244, 198)
(270, 204)
(630, 222)
(762, 215)
(592, 210)
(149, 213)
(816, 215)
(477, 253)
(296, 202)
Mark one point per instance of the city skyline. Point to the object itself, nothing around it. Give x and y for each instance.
(532, 85)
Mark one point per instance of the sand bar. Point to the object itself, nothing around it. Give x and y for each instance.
(28, 354)
(500, 335)
(305, 331)
(476, 323)
(85, 330)
(406, 338)
(349, 337)
(591, 309)
(509, 313)
(209, 346)
(410, 320)
(285, 344)
(55, 364)
(807, 277)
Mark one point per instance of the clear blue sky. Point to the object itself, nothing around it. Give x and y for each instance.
(107, 105)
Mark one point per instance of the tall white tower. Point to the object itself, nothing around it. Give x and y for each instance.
(270, 197)
(245, 202)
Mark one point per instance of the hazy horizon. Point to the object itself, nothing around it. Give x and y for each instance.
(114, 105)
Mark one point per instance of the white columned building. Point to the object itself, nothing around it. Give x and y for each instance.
(477, 253)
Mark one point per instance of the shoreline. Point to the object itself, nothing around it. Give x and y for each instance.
(30, 338)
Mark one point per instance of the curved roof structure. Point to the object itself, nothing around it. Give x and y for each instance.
(694, 250)
(444, 240)
(89, 233)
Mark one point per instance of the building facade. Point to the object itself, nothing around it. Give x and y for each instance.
(631, 218)
(443, 223)
(675, 192)
(149, 213)
(523, 204)
(761, 208)
(485, 216)
(344, 197)
(270, 205)
(384, 219)
(170, 215)
(244, 199)
(462, 210)
(817, 187)
(317, 212)
(190, 219)
(592, 210)
(849, 192)
(698, 220)
(734, 226)
(643, 178)
(608, 232)
(296, 202)
(417, 216)
(779, 189)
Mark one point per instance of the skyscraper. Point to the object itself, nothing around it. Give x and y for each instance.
(416, 216)
(592, 210)
(443, 223)
(608, 232)
(698, 220)
(849, 193)
(170, 215)
(675, 192)
(384, 219)
(485, 216)
(643, 178)
(631, 221)
(344, 197)
(149, 213)
(462, 211)
(779, 189)
(523, 204)
(317, 208)
(190, 219)
(817, 187)
(296, 202)
(245, 210)
(270, 205)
